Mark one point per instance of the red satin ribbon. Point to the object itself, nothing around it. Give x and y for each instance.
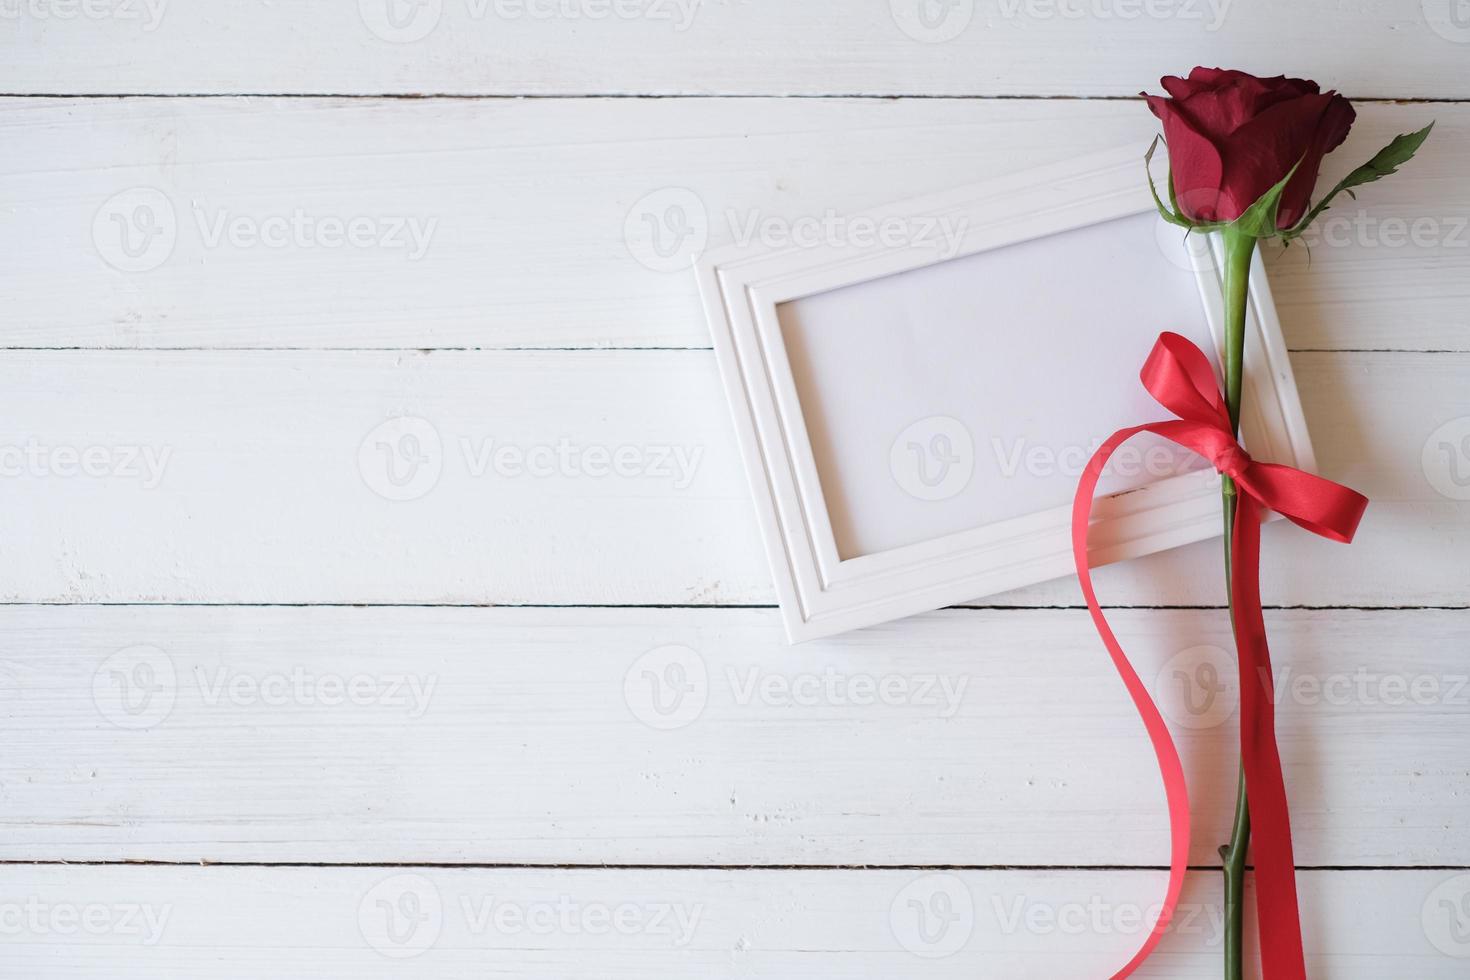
(1180, 378)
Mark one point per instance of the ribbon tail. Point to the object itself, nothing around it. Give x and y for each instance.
(1175, 788)
(1275, 864)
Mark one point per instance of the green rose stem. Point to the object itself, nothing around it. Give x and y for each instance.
(1239, 239)
(1239, 247)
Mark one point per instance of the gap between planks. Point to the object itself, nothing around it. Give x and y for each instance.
(675, 605)
(512, 866)
(571, 96)
(417, 349)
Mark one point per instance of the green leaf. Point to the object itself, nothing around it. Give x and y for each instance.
(1259, 220)
(1173, 217)
(1386, 161)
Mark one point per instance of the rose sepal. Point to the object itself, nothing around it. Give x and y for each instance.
(1171, 212)
(1259, 220)
(1256, 221)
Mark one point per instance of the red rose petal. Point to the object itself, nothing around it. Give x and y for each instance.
(1194, 162)
(1332, 129)
(1262, 151)
(1178, 87)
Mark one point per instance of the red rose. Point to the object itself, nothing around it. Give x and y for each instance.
(1233, 136)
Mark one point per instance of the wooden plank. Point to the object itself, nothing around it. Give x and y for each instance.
(505, 223)
(571, 478)
(1396, 48)
(677, 736)
(162, 923)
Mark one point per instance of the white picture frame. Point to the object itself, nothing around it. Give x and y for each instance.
(747, 290)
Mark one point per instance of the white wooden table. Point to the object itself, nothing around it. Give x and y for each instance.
(288, 693)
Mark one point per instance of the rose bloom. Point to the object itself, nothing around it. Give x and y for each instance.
(1233, 136)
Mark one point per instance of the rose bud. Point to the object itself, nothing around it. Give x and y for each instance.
(1233, 136)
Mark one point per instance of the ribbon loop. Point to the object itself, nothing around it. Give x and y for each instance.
(1180, 378)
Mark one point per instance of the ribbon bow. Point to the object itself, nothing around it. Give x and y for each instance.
(1180, 378)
